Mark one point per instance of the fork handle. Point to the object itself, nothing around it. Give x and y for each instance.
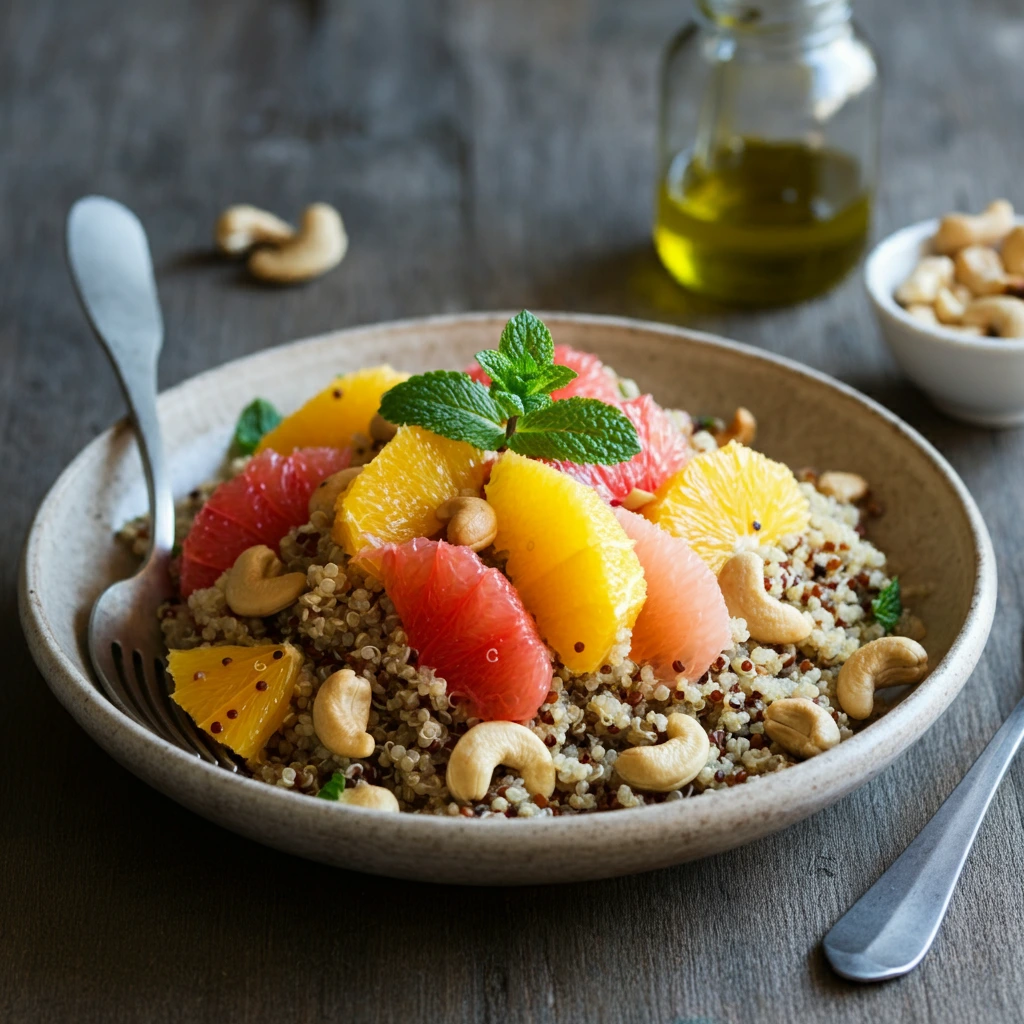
(890, 928)
(111, 266)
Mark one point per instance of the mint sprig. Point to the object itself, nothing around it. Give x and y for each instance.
(333, 787)
(516, 411)
(259, 417)
(888, 606)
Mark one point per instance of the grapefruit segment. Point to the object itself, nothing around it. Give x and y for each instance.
(665, 449)
(259, 506)
(592, 378)
(238, 695)
(684, 624)
(467, 623)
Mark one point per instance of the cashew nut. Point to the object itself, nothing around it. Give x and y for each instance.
(948, 306)
(325, 496)
(485, 746)
(377, 798)
(1013, 251)
(472, 522)
(380, 429)
(801, 726)
(888, 661)
(958, 230)
(637, 498)
(981, 269)
(241, 227)
(1002, 313)
(341, 710)
(768, 619)
(255, 586)
(926, 314)
(742, 427)
(845, 487)
(930, 274)
(669, 765)
(320, 244)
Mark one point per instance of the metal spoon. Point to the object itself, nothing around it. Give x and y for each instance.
(887, 932)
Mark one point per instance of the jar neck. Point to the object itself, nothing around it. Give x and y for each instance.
(773, 24)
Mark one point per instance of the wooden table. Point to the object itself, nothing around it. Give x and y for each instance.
(485, 154)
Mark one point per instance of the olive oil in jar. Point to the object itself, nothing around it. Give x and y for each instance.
(761, 222)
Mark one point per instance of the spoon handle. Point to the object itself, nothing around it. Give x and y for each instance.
(112, 269)
(890, 928)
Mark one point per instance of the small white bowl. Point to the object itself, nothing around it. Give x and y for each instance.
(980, 380)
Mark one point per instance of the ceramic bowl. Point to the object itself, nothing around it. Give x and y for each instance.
(980, 380)
(933, 530)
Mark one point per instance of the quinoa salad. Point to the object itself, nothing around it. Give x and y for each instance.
(416, 612)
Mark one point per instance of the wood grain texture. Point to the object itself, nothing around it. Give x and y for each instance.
(485, 153)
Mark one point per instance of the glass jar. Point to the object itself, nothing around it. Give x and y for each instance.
(767, 150)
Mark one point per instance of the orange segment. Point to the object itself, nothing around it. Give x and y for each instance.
(331, 418)
(396, 496)
(569, 558)
(730, 499)
(238, 695)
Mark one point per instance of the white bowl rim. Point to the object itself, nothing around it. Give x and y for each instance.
(883, 297)
(794, 788)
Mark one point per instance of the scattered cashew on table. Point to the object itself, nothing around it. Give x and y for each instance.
(277, 253)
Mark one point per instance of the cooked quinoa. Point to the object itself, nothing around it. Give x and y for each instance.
(345, 620)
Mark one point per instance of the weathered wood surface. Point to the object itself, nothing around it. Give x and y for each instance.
(485, 153)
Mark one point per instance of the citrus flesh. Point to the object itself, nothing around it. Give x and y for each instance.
(569, 559)
(333, 417)
(665, 449)
(592, 378)
(729, 500)
(396, 496)
(240, 696)
(259, 506)
(684, 623)
(466, 622)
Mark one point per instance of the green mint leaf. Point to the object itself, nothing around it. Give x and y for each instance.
(498, 367)
(259, 417)
(509, 403)
(888, 606)
(531, 403)
(525, 340)
(582, 430)
(333, 787)
(548, 379)
(448, 403)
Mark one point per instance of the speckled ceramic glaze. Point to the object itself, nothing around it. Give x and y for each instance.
(932, 532)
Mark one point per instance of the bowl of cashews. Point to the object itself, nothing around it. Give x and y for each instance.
(949, 297)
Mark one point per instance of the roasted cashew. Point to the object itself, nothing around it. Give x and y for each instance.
(241, 227)
(958, 230)
(1002, 313)
(341, 710)
(742, 427)
(380, 429)
(888, 661)
(320, 244)
(949, 307)
(488, 744)
(377, 798)
(846, 487)
(669, 765)
(1013, 251)
(637, 498)
(926, 314)
(930, 274)
(325, 496)
(472, 522)
(768, 619)
(981, 269)
(255, 586)
(800, 726)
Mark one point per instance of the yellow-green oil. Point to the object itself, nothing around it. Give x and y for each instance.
(761, 222)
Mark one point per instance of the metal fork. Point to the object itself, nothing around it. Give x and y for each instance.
(108, 255)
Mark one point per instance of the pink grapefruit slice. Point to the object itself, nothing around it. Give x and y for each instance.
(466, 622)
(592, 378)
(665, 449)
(684, 624)
(259, 506)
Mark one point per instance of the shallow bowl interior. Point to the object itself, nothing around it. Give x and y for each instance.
(933, 532)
